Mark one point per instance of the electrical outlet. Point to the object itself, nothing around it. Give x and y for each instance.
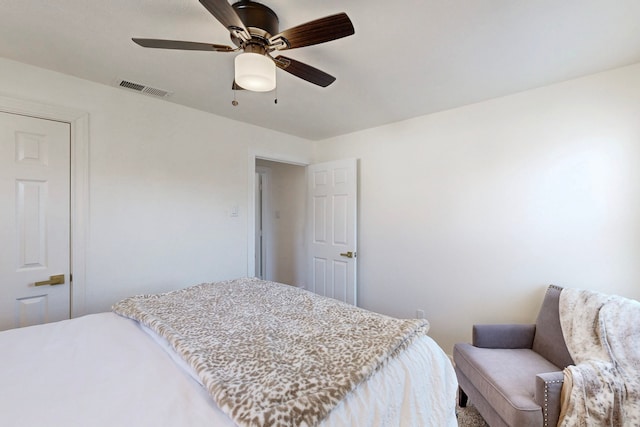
(420, 314)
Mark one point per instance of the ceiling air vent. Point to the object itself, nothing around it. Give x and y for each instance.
(144, 89)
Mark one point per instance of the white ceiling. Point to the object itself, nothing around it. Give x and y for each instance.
(406, 59)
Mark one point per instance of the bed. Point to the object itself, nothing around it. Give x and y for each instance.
(176, 359)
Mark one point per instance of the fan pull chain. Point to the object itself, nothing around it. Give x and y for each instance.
(235, 101)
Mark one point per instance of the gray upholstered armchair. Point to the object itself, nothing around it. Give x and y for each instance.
(513, 373)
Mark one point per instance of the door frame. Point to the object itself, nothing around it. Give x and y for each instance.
(251, 196)
(79, 210)
(265, 174)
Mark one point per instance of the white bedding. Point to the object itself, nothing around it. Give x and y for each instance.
(104, 370)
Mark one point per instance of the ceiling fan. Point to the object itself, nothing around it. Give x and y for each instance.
(254, 30)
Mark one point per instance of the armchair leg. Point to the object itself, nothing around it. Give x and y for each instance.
(462, 397)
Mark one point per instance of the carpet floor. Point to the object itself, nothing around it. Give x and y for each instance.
(469, 417)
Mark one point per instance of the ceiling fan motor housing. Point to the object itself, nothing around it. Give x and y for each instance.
(261, 21)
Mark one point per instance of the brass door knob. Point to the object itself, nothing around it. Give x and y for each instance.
(58, 279)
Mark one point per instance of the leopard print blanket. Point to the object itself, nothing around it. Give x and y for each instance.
(272, 354)
(602, 333)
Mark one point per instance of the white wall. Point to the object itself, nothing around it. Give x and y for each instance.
(163, 179)
(470, 213)
(467, 214)
(286, 221)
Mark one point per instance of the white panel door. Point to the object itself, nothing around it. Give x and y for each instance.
(332, 210)
(34, 220)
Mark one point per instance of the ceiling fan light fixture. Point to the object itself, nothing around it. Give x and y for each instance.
(255, 72)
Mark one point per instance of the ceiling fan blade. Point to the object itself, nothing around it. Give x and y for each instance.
(176, 44)
(227, 16)
(304, 71)
(319, 31)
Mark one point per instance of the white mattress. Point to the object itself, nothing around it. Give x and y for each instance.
(104, 370)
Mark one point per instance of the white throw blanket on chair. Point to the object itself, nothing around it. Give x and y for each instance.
(602, 333)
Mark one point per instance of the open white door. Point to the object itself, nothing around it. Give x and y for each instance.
(34, 220)
(332, 215)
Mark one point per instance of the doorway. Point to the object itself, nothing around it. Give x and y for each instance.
(280, 200)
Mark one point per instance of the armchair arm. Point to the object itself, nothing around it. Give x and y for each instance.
(503, 336)
(548, 390)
